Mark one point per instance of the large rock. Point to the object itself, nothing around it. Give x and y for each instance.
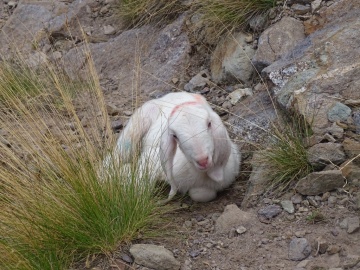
(320, 182)
(231, 59)
(252, 118)
(155, 257)
(147, 57)
(322, 69)
(322, 154)
(33, 21)
(233, 217)
(278, 40)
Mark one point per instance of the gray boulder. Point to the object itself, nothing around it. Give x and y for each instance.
(233, 217)
(320, 182)
(155, 257)
(322, 69)
(322, 154)
(147, 55)
(278, 40)
(231, 59)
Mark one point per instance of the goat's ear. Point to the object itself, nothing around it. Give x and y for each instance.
(139, 124)
(167, 152)
(222, 148)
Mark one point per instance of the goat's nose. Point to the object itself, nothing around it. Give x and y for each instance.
(203, 162)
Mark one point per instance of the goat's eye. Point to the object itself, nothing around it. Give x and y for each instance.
(209, 125)
(175, 137)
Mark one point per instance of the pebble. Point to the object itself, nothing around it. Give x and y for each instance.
(325, 196)
(300, 234)
(332, 200)
(241, 230)
(300, 9)
(296, 199)
(322, 245)
(116, 125)
(270, 211)
(288, 206)
(127, 113)
(353, 224)
(299, 249)
(312, 201)
(109, 30)
(333, 249)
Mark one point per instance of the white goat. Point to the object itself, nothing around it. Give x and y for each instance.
(184, 142)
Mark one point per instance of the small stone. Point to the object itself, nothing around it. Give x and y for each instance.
(198, 82)
(109, 30)
(305, 203)
(238, 94)
(12, 4)
(340, 112)
(325, 196)
(288, 206)
(57, 55)
(127, 113)
(299, 249)
(353, 224)
(232, 218)
(270, 211)
(297, 198)
(249, 38)
(300, 9)
(303, 209)
(322, 245)
(126, 258)
(332, 200)
(267, 201)
(303, 264)
(226, 105)
(313, 202)
(333, 249)
(344, 224)
(315, 5)
(116, 125)
(153, 256)
(175, 80)
(104, 10)
(194, 253)
(300, 234)
(241, 230)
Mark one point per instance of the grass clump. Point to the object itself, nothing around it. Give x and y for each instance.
(136, 13)
(18, 80)
(57, 205)
(286, 158)
(315, 217)
(230, 14)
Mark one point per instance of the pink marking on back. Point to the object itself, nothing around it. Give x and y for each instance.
(198, 100)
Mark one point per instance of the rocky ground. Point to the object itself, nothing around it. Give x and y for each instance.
(308, 55)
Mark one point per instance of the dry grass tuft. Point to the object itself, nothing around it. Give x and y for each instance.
(135, 13)
(55, 206)
(231, 14)
(286, 157)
